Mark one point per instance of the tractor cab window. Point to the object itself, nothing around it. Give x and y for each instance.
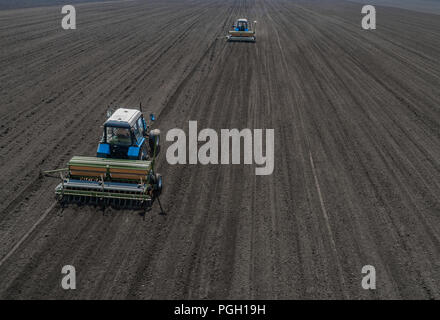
(137, 132)
(119, 136)
(140, 124)
(242, 26)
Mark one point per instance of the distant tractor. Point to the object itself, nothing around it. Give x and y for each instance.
(122, 174)
(242, 30)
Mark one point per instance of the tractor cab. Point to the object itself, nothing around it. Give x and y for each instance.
(126, 136)
(241, 25)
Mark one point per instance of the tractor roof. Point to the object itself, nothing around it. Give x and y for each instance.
(242, 20)
(123, 118)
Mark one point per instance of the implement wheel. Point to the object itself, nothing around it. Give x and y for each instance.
(157, 184)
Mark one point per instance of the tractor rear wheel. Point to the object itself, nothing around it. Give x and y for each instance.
(154, 142)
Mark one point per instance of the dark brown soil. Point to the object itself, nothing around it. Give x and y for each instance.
(357, 164)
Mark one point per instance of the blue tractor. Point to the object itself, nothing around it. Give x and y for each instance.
(243, 30)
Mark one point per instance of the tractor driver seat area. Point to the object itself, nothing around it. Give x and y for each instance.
(242, 26)
(120, 136)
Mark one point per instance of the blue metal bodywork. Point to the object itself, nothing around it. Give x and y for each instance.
(103, 150)
(133, 152)
(140, 142)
